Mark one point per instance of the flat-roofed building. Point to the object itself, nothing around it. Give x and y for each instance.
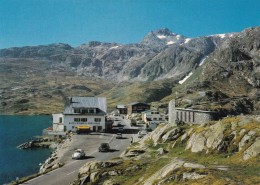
(189, 115)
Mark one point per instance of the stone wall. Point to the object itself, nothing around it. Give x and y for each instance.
(193, 116)
(189, 115)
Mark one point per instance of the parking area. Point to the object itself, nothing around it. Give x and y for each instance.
(88, 142)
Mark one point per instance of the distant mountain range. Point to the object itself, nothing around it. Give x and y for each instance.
(161, 54)
(162, 59)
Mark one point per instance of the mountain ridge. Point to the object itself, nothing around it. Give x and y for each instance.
(114, 63)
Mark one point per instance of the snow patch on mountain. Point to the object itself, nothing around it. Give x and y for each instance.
(186, 77)
(161, 36)
(203, 60)
(221, 35)
(170, 42)
(187, 40)
(114, 47)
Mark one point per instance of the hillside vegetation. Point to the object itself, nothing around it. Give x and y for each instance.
(220, 152)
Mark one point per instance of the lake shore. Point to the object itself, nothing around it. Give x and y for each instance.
(56, 159)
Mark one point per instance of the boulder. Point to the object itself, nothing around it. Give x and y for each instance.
(215, 135)
(94, 176)
(253, 150)
(108, 182)
(112, 173)
(192, 175)
(247, 138)
(196, 142)
(171, 135)
(158, 133)
(193, 165)
(242, 131)
(91, 166)
(57, 165)
(162, 173)
(161, 151)
(133, 153)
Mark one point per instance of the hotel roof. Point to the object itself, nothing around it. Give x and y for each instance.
(85, 102)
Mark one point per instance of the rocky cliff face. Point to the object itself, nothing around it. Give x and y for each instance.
(237, 59)
(227, 80)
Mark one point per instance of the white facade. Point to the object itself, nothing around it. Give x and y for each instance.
(95, 122)
(153, 116)
(57, 120)
(81, 111)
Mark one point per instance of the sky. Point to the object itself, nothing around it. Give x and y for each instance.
(40, 22)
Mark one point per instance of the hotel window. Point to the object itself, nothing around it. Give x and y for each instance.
(84, 111)
(84, 119)
(77, 119)
(76, 110)
(97, 119)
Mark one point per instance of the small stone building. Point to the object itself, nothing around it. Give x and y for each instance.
(189, 115)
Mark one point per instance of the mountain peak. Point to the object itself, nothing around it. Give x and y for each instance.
(162, 38)
(164, 31)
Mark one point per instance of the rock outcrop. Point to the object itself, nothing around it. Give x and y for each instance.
(253, 150)
(92, 171)
(166, 173)
(153, 160)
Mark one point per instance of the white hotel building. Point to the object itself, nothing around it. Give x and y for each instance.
(81, 111)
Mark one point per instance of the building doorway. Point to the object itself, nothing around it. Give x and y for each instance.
(94, 129)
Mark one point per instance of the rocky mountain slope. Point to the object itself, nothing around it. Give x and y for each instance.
(221, 152)
(159, 55)
(228, 80)
(157, 63)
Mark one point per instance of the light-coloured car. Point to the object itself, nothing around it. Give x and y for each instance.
(78, 154)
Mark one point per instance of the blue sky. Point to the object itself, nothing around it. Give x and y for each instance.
(38, 22)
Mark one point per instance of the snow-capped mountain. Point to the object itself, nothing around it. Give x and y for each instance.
(163, 37)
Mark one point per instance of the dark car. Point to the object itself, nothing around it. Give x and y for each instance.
(104, 147)
(119, 136)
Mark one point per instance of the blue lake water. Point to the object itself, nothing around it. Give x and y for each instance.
(15, 130)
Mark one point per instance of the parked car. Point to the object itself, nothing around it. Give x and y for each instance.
(104, 147)
(78, 154)
(142, 133)
(119, 136)
(120, 129)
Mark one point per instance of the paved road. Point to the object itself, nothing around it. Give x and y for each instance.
(68, 172)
